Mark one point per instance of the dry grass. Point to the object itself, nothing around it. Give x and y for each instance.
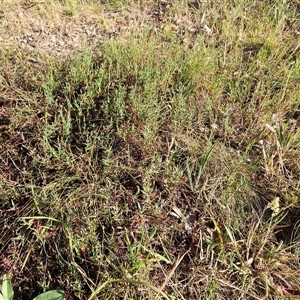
(150, 150)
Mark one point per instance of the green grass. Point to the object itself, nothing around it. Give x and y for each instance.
(99, 146)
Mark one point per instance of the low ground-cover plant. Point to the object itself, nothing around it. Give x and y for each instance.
(7, 292)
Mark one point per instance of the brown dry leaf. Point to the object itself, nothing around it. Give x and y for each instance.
(248, 263)
(287, 292)
(193, 249)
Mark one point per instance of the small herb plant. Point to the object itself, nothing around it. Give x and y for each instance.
(7, 292)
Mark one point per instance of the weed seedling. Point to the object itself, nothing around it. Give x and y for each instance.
(7, 292)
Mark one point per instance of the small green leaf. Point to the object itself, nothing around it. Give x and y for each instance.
(51, 295)
(7, 289)
(1, 297)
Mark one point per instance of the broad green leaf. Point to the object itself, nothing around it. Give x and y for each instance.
(7, 289)
(1, 297)
(51, 295)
